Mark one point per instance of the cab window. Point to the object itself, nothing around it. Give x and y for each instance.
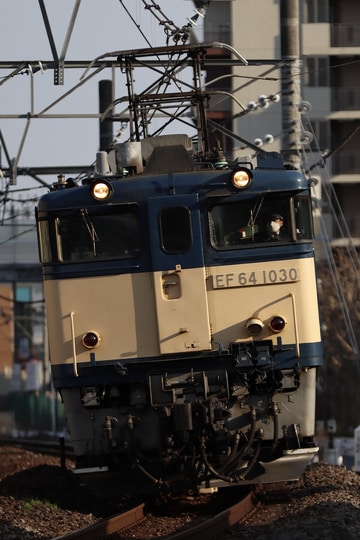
(263, 220)
(80, 235)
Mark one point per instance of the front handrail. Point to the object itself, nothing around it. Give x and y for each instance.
(72, 327)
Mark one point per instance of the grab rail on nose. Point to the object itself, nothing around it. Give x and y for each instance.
(72, 327)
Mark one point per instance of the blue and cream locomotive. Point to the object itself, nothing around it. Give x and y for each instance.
(182, 316)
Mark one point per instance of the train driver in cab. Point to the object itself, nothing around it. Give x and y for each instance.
(274, 226)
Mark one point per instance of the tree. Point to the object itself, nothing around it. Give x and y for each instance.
(338, 393)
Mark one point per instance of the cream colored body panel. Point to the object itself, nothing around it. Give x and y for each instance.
(145, 315)
(231, 306)
(123, 311)
(182, 310)
(119, 308)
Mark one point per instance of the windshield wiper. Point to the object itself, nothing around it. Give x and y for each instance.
(91, 229)
(254, 212)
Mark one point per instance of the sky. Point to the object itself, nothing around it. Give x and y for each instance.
(101, 26)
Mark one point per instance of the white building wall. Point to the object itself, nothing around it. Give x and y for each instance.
(315, 39)
(256, 35)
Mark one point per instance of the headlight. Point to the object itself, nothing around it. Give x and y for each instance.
(241, 178)
(254, 326)
(101, 190)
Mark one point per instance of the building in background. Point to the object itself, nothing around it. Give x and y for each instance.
(27, 399)
(6, 336)
(329, 95)
(331, 47)
(21, 290)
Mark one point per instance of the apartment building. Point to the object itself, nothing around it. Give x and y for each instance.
(331, 49)
(329, 76)
(21, 300)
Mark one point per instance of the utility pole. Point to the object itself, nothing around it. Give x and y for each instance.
(290, 81)
(105, 126)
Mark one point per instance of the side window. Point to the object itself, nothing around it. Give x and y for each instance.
(303, 218)
(45, 246)
(175, 229)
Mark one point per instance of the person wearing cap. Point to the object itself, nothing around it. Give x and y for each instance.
(273, 226)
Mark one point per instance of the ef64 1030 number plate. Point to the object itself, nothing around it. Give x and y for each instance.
(258, 277)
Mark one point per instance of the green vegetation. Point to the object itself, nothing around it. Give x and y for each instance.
(32, 504)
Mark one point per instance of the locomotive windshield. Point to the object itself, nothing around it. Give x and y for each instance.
(283, 218)
(80, 235)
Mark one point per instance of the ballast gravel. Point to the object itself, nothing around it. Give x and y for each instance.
(40, 501)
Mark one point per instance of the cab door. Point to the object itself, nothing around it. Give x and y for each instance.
(179, 274)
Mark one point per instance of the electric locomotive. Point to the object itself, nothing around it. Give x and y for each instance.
(182, 314)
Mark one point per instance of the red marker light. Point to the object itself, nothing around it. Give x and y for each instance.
(277, 323)
(90, 340)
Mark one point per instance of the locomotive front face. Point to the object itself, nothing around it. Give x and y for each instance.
(183, 329)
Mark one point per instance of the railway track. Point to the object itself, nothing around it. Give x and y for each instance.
(137, 521)
(51, 447)
(324, 502)
(207, 529)
(107, 526)
(220, 522)
(137, 517)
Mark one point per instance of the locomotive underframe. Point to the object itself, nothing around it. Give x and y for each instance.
(196, 427)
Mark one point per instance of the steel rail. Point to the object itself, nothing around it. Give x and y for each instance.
(107, 526)
(52, 447)
(219, 523)
(203, 531)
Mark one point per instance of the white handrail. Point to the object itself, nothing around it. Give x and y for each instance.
(72, 326)
(292, 296)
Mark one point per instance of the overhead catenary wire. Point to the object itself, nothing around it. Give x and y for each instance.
(138, 26)
(37, 63)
